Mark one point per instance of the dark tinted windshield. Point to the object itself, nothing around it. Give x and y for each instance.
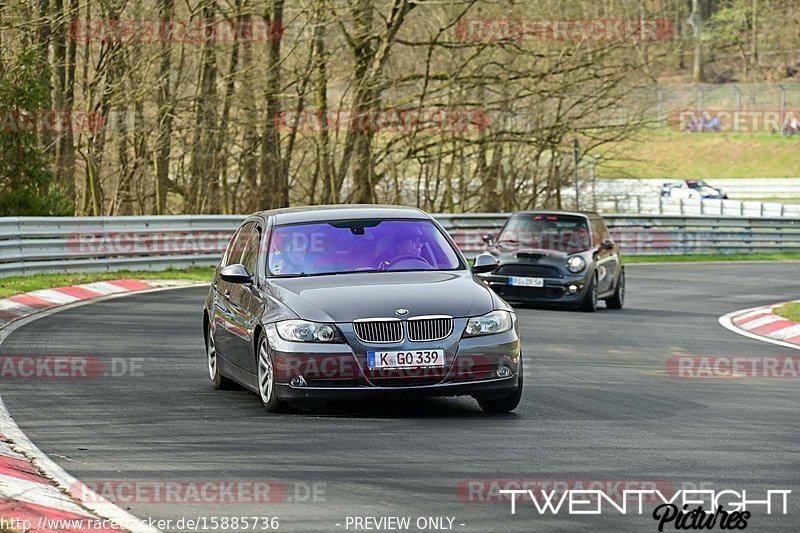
(359, 246)
(564, 233)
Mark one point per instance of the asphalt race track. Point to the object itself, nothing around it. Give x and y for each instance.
(598, 405)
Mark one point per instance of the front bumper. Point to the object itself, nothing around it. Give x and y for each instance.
(555, 290)
(492, 387)
(339, 371)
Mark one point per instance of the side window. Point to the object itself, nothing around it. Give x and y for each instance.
(233, 254)
(597, 231)
(604, 230)
(250, 250)
(231, 245)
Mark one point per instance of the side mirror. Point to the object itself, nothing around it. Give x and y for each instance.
(236, 274)
(485, 262)
(607, 245)
(488, 238)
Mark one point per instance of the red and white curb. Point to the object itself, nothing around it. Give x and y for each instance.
(22, 305)
(763, 324)
(35, 492)
(31, 502)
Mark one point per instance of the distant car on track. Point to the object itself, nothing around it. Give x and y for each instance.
(691, 189)
(320, 303)
(556, 257)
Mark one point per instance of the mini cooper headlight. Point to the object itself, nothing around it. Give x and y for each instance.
(304, 331)
(575, 264)
(489, 324)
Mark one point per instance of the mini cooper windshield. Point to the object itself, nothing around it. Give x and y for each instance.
(340, 247)
(563, 233)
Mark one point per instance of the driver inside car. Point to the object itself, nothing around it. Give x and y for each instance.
(405, 247)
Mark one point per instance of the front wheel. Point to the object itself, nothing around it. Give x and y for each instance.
(266, 379)
(589, 303)
(218, 381)
(506, 404)
(618, 299)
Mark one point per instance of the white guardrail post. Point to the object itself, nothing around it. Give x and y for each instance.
(30, 245)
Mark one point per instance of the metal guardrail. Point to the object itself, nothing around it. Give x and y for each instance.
(658, 205)
(30, 245)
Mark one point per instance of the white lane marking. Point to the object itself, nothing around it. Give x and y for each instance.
(54, 296)
(62, 478)
(6, 450)
(37, 493)
(103, 287)
(726, 321)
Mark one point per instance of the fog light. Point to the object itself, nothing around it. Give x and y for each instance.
(573, 289)
(298, 381)
(504, 371)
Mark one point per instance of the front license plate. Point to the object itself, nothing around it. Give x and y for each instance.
(409, 359)
(527, 282)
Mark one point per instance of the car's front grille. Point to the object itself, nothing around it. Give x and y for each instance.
(534, 271)
(379, 330)
(429, 328)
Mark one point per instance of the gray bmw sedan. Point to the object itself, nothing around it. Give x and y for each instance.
(336, 302)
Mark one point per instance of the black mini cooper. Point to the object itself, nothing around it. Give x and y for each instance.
(555, 257)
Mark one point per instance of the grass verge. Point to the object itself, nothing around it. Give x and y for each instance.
(20, 284)
(677, 155)
(790, 311)
(709, 257)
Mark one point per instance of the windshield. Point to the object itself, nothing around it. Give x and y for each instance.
(359, 246)
(563, 233)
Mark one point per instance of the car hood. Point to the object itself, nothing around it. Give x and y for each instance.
(526, 255)
(347, 297)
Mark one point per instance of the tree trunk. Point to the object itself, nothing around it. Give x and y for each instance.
(275, 186)
(164, 112)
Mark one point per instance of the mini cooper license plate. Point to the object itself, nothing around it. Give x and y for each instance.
(408, 359)
(526, 282)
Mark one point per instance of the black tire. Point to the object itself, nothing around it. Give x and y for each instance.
(268, 394)
(507, 403)
(618, 299)
(589, 303)
(218, 380)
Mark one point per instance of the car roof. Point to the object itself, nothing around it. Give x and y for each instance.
(323, 213)
(557, 213)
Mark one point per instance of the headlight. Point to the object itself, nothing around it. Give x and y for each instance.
(304, 331)
(489, 324)
(575, 264)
